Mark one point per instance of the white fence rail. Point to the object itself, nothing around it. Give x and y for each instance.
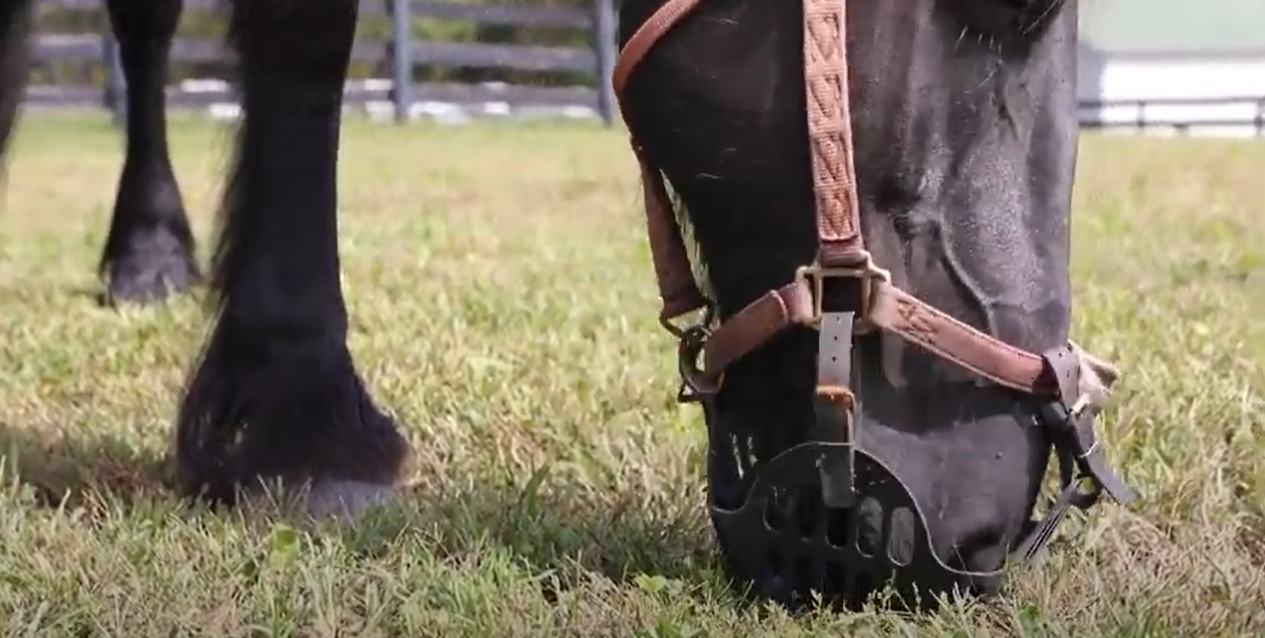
(1235, 116)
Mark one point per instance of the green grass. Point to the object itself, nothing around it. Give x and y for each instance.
(503, 309)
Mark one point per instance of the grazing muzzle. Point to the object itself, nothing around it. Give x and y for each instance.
(828, 515)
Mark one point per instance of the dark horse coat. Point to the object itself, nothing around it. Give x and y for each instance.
(965, 127)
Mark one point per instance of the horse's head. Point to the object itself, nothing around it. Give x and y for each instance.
(963, 128)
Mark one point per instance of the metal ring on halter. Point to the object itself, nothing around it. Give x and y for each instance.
(708, 316)
(695, 384)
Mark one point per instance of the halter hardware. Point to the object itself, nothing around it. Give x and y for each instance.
(866, 272)
(695, 386)
(781, 562)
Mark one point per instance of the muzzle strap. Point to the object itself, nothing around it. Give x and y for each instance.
(1084, 384)
(835, 410)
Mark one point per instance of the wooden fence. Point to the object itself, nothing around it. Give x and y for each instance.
(403, 96)
(1242, 115)
(400, 53)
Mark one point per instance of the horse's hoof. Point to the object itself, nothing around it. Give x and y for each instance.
(149, 279)
(347, 500)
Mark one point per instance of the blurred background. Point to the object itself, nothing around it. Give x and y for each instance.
(1151, 66)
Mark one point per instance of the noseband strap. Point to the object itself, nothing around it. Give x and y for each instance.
(841, 246)
(1070, 386)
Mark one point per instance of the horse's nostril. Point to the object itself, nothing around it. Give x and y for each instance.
(982, 552)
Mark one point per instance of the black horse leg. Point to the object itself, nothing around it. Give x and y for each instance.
(15, 24)
(149, 253)
(276, 395)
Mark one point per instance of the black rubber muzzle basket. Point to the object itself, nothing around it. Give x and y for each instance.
(782, 541)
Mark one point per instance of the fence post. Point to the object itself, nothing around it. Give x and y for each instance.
(605, 48)
(1260, 117)
(401, 59)
(115, 94)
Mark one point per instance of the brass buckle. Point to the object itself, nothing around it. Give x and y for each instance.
(866, 273)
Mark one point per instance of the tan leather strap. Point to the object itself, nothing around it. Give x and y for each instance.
(763, 318)
(838, 227)
(678, 292)
(891, 309)
(830, 132)
(899, 312)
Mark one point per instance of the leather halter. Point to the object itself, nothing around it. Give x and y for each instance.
(1067, 385)
(841, 250)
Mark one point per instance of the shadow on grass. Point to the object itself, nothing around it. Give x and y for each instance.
(60, 467)
(556, 528)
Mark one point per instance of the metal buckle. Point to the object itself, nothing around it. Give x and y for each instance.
(1083, 446)
(709, 313)
(690, 342)
(689, 348)
(865, 273)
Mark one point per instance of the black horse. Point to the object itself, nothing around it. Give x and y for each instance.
(963, 122)
(149, 252)
(965, 126)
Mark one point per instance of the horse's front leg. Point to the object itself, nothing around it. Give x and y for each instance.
(149, 253)
(276, 394)
(15, 25)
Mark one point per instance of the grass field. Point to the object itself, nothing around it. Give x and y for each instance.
(503, 308)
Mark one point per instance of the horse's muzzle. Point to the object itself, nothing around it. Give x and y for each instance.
(828, 517)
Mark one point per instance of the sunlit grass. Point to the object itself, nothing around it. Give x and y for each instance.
(503, 309)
